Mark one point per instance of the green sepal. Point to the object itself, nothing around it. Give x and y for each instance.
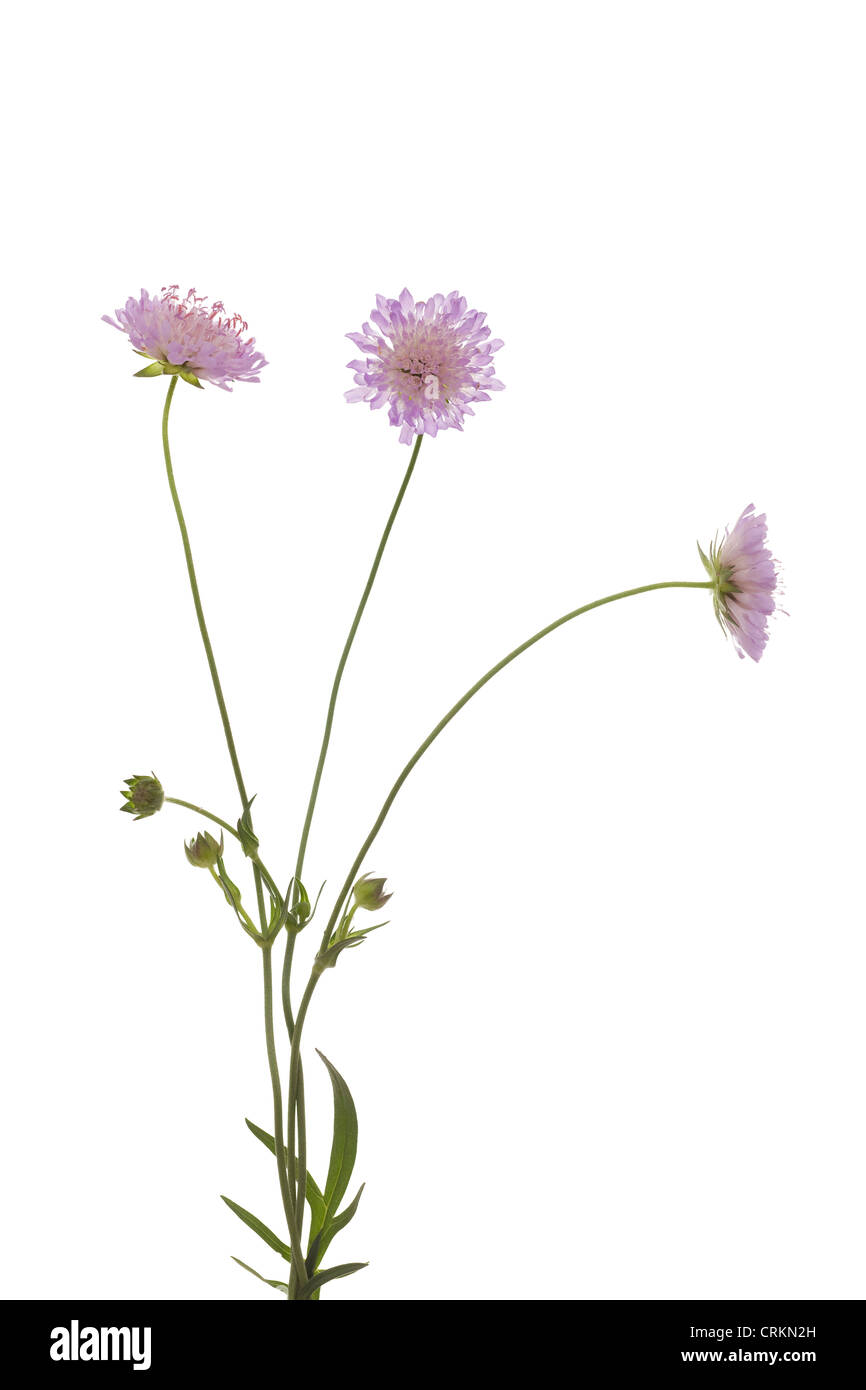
(155, 369)
(707, 564)
(326, 1275)
(274, 1283)
(276, 916)
(249, 840)
(303, 912)
(344, 1145)
(300, 912)
(261, 1230)
(190, 377)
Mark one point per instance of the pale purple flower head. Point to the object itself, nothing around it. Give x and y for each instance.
(428, 361)
(745, 575)
(189, 338)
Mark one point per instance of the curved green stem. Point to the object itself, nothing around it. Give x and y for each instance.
(464, 700)
(205, 637)
(287, 1194)
(200, 811)
(196, 598)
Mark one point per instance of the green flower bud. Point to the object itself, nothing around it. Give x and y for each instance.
(203, 851)
(248, 838)
(144, 796)
(369, 895)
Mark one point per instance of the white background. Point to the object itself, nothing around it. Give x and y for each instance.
(611, 1045)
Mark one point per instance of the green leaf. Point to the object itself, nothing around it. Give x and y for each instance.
(262, 1134)
(274, 1283)
(260, 1229)
(345, 1142)
(365, 931)
(315, 1199)
(155, 369)
(231, 890)
(319, 1246)
(316, 1203)
(326, 1275)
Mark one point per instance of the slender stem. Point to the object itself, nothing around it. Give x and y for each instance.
(200, 811)
(196, 598)
(279, 1147)
(296, 1114)
(464, 700)
(202, 626)
(294, 1080)
(299, 1126)
(298, 1267)
(335, 690)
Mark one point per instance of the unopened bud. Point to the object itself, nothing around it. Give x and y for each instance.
(144, 796)
(248, 838)
(203, 851)
(369, 893)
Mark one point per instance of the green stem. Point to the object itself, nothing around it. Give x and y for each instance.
(335, 690)
(202, 627)
(298, 1267)
(279, 1147)
(464, 700)
(200, 811)
(296, 1115)
(196, 598)
(295, 1082)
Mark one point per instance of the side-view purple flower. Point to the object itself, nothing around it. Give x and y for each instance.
(188, 338)
(745, 576)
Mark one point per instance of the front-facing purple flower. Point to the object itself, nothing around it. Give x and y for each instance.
(189, 338)
(744, 575)
(427, 360)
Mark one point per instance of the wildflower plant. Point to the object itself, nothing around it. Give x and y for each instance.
(429, 361)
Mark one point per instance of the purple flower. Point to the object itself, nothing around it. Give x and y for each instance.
(428, 360)
(187, 338)
(744, 574)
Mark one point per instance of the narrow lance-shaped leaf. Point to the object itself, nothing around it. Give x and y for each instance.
(262, 1134)
(274, 1283)
(319, 1246)
(260, 1229)
(345, 1142)
(326, 1275)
